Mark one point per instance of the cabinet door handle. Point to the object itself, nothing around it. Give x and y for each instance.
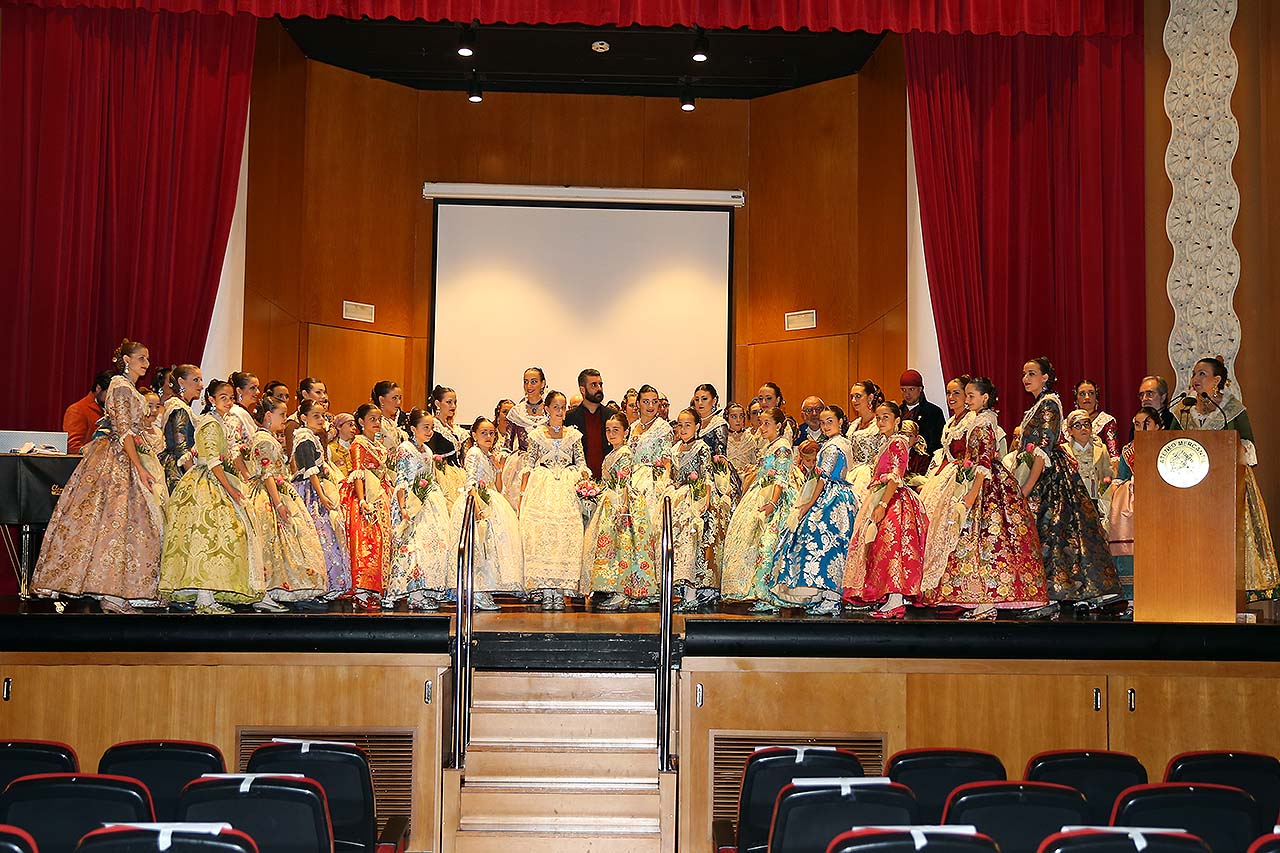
(697, 694)
(7, 692)
(1097, 698)
(1133, 700)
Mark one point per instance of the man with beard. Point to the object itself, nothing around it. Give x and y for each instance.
(589, 418)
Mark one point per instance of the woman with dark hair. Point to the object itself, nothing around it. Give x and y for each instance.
(994, 561)
(506, 441)
(1077, 559)
(366, 504)
(650, 442)
(1104, 426)
(105, 535)
(699, 515)
(886, 553)
(942, 490)
(751, 543)
(240, 423)
(422, 567)
(386, 395)
(499, 557)
(211, 550)
(447, 443)
(814, 546)
(179, 422)
(315, 482)
(1120, 513)
(1211, 405)
(528, 414)
(713, 430)
(865, 437)
(631, 405)
(619, 555)
(770, 396)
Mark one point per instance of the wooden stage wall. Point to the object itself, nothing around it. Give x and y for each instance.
(337, 161)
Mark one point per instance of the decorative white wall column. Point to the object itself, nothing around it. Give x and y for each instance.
(1206, 266)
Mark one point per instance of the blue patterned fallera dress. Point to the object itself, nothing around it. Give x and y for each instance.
(812, 554)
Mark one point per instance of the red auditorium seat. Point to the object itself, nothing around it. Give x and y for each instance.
(932, 774)
(1226, 818)
(1018, 815)
(811, 812)
(59, 808)
(16, 840)
(1098, 840)
(1254, 772)
(282, 814)
(934, 839)
(167, 838)
(31, 757)
(1098, 774)
(165, 766)
(1269, 843)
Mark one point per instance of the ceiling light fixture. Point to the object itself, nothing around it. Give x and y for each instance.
(467, 41)
(700, 47)
(686, 100)
(474, 95)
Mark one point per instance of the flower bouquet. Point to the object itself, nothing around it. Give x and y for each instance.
(1020, 462)
(588, 492)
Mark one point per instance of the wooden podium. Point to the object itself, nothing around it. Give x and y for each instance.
(1188, 543)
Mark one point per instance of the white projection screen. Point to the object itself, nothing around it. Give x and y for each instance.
(641, 294)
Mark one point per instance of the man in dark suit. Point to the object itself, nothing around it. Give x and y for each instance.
(589, 418)
(916, 408)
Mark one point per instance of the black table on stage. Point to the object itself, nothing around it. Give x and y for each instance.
(29, 487)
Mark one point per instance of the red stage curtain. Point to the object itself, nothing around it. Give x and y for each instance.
(1006, 17)
(1029, 157)
(119, 157)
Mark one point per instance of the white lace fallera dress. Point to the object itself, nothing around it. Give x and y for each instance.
(499, 554)
(551, 526)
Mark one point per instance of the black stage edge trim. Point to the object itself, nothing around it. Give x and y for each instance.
(539, 652)
(73, 632)
(981, 640)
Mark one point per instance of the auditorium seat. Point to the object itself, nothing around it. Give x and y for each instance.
(1098, 774)
(1253, 772)
(165, 766)
(31, 757)
(282, 814)
(811, 812)
(1115, 840)
(1018, 815)
(1269, 843)
(767, 771)
(1226, 818)
(14, 839)
(167, 838)
(58, 808)
(935, 839)
(342, 769)
(932, 774)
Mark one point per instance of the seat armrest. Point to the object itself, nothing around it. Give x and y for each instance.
(723, 838)
(394, 837)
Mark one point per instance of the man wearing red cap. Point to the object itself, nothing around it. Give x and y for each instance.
(916, 408)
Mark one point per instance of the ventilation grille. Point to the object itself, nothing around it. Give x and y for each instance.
(361, 311)
(390, 754)
(730, 751)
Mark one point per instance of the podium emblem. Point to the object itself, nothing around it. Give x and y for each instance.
(1183, 463)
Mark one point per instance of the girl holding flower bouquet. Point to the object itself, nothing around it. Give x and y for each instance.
(815, 545)
(366, 508)
(422, 549)
(751, 543)
(550, 521)
(1077, 558)
(699, 515)
(886, 554)
(499, 559)
(292, 559)
(994, 561)
(316, 485)
(619, 551)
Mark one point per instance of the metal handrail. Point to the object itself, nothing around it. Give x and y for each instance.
(664, 640)
(462, 650)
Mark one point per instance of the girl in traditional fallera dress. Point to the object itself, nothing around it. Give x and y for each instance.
(292, 558)
(620, 548)
(1211, 406)
(886, 553)
(1120, 512)
(699, 515)
(864, 435)
(751, 544)
(551, 527)
(499, 555)
(212, 552)
(448, 443)
(713, 430)
(650, 442)
(506, 442)
(423, 550)
(741, 445)
(386, 395)
(179, 422)
(366, 510)
(995, 562)
(631, 405)
(814, 546)
(942, 490)
(319, 491)
(1077, 559)
(239, 422)
(344, 426)
(1104, 426)
(105, 535)
(528, 413)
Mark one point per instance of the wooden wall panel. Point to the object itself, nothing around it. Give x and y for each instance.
(804, 217)
(587, 140)
(881, 280)
(351, 361)
(363, 192)
(871, 363)
(801, 367)
(703, 149)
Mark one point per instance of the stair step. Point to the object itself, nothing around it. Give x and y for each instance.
(490, 725)
(536, 842)
(569, 825)
(560, 762)
(483, 804)
(547, 689)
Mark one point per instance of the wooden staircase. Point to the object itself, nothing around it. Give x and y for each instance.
(558, 762)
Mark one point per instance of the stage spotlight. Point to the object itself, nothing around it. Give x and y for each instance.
(467, 41)
(474, 95)
(700, 47)
(686, 101)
